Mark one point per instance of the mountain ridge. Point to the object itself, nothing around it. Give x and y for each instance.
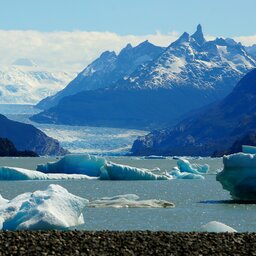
(191, 68)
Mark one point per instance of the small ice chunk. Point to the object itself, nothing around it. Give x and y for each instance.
(177, 174)
(75, 164)
(53, 208)
(185, 166)
(129, 201)
(114, 171)
(15, 173)
(248, 149)
(217, 227)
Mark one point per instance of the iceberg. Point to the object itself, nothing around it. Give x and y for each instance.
(3, 200)
(177, 174)
(185, 166)
(15, 173)
(248, 149)
(53, 208)
(239, 176)
(112, 171)
(129, 201)
(75, 164)
(217, 227)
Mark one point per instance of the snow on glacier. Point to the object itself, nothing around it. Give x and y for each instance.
(75, 164)
(129, 201)
(217, 227)
(15, 173)
(53, 208)
(239, 176)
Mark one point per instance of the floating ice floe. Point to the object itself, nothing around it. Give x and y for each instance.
(112, 171)
(155, 157)
(53, 208)
(15, 173)
(75, 164)
(217, 227)
(239, 176)
(129, 201)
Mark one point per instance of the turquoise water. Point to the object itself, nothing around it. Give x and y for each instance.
(197, 201)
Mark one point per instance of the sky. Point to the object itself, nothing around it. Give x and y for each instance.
(71, 33)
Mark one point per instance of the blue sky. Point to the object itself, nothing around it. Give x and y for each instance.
(69, 34)
(137, 17)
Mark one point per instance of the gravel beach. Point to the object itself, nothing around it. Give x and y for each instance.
(125, 243)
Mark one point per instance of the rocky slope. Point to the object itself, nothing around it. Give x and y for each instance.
(223, 127)
(27, 137)
(189, 74)
(106, 71)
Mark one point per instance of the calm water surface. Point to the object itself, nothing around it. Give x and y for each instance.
(197, 201)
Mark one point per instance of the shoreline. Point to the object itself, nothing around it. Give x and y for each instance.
(125, 243)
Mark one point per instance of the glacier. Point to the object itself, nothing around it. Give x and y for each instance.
(75, 164)
(217, 227)
(129, 201)
(239, 176)
(15, 173)
(53, 208)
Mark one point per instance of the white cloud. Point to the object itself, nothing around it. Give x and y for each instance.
(72, 51)
(68, 50)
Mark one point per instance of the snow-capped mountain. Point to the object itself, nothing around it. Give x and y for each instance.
(192, 61)
(188, 74)
(24, 82)
(107, 70)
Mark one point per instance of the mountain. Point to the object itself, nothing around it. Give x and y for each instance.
(27, 137)
(223, 127)
(190, 73)
(7, 148)
(106, 71)
(24, 76)
(251, 50)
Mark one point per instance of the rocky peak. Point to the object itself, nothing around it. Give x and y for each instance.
(198, 36)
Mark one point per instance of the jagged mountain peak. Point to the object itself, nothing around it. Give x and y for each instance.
(198, 36)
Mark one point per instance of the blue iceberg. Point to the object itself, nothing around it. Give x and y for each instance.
(15, 173)
(112, 171)
(185, 166)
(239, 176)
(75, 164)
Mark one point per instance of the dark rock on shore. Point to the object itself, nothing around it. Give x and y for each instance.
(125, 243)
(7, 148)
(26, 137)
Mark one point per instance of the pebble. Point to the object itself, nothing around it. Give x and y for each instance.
(125, 243)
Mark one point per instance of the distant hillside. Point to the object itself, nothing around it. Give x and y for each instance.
(222, 128)
(150, 87)
(27, 137)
